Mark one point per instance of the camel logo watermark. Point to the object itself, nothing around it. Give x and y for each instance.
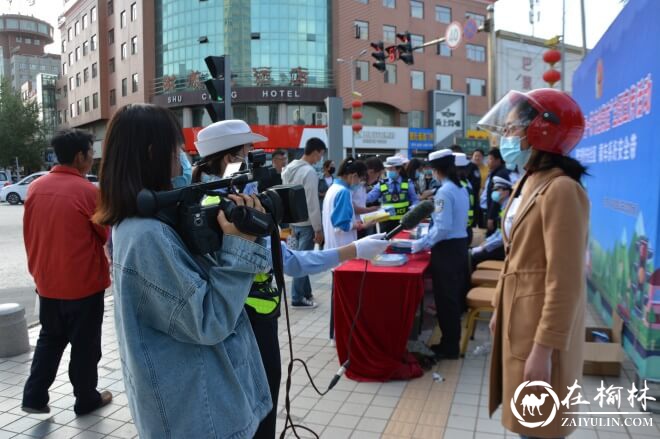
(531, 404)
(611, 396)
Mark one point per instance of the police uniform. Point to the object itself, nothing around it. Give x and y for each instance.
(396, 195)
(462, 162)
(447, 239)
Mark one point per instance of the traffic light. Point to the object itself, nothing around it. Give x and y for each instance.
(218, 87)
(405, 48)
(380, 56)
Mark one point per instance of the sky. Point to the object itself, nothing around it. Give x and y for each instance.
(512, 15)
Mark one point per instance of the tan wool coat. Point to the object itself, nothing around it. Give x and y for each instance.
(541, 295)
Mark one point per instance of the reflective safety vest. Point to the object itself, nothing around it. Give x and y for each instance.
(471, 208)
(264, 299)
(399, 202)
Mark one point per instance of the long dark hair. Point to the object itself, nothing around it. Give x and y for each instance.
(138, 153)
(448, 169)
(413, 165)
(211, 164)
(543, 161)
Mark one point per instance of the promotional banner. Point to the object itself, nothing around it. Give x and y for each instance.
(621, 148)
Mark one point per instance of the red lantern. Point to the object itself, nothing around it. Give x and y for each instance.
(552, 56)
(356, 104)
(357, 127)
(356, 115)
(551, 76)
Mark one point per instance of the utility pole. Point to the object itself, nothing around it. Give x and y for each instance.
(563, 45)
(492, 55)
(584, 30)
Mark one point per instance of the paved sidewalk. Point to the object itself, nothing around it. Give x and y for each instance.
(422, 408)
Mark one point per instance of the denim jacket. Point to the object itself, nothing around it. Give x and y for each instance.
(189, 358)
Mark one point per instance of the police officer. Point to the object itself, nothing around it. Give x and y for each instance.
(228, 142)
(447, 239)
(493, 248)
(396, 193)
(462, 171)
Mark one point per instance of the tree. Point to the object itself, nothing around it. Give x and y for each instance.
(22, 135)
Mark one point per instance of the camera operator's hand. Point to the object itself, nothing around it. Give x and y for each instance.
(229, 228)
(318, 237)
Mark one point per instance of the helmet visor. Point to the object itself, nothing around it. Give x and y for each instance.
(510, 116)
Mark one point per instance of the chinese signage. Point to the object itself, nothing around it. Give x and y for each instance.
(447, 116)
(420, 139)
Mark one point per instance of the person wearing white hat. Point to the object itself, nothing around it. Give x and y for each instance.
(263, 302)
(396, 193)
(447, 240)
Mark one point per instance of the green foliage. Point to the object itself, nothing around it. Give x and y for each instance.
(21, 132)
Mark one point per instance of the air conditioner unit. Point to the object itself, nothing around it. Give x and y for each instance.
(320, 118)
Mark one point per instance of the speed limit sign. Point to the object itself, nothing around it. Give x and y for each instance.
(454, 34)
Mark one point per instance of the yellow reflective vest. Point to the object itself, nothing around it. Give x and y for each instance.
(399, 202)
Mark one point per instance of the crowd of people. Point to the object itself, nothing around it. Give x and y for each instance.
(209, 323)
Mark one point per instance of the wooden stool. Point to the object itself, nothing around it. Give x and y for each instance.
(479, 300)
(13, 327)
(485, 278)
(491, 265)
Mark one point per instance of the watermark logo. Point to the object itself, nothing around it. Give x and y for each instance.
(531, 404)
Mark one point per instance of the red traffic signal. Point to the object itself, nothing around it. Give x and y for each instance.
(405, 48)
(379, 54)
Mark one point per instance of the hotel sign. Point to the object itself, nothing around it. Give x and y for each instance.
(246, 95)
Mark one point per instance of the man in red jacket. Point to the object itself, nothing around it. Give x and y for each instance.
(70, 269)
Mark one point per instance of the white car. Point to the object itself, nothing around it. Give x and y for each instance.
(16, 193)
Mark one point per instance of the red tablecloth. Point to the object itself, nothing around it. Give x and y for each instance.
(390, 298)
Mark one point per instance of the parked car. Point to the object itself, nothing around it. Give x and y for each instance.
(16, 193)
(5, 178)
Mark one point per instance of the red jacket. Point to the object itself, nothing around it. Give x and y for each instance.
(64, 248)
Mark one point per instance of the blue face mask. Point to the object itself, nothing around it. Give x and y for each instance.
(417, 175)
(186, 172)
(511, 152)
(495, 196)
(393, 175)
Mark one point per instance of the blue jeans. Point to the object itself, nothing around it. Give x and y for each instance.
(305, 241)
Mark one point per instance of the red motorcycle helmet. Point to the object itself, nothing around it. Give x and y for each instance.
(557, 127)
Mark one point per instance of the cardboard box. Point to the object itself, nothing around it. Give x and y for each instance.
(604, 359)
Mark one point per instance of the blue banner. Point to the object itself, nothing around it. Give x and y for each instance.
(420, 139)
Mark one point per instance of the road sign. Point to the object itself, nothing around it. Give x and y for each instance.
(470, 29)
(454, 34)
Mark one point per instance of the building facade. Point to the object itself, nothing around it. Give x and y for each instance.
(22, 57)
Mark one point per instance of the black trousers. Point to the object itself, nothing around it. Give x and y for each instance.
(62, 322)
(265, 331)
(449, 266)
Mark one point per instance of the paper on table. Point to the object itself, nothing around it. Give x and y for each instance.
(377, 216)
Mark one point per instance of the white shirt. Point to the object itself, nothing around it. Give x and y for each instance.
(360, 198)
(511, 215)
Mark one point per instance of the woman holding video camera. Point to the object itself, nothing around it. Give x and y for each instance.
(222, 145)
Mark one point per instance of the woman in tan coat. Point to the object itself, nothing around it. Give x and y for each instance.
(538, 323)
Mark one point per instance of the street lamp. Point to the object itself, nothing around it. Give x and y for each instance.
(351, 63)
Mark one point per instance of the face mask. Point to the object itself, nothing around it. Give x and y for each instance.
(331, 170)
(428, 173)
(417, 175)
(392, 175)
(186, 172)
(206, 178)
(511, 152)
(495, 196)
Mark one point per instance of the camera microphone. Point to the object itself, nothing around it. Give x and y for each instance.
(412, 218)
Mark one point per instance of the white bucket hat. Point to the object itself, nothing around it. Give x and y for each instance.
(460, 159)
(224, 135)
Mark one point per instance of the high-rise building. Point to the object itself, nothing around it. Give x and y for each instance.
(22, 41)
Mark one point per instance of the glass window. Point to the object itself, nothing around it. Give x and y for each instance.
(111, 7)
(76, 28)
(443, 14)
(124, 87)
(64, 69)
(134, 82)
(63, 46)
(417, 40)
(475, 53)
(113, 97)
(476, 87)
(68, 34)
(85, 48)
(78, 107)
(77, 53)
(111, 65)
(442, 81)
(417, 79)
(95, 70)
(86, 104)
(416, 119)
(111, 36)
(389, 3)
(476, 17)
(37, 42)
(72, 83)
(93, 14)
(390, 73)
(361, 30)
(70, 58)
(133, 11)
(364, 2)
(72, 109)
(124, 52)
(86, 74)
(122, 19)
(77, 79)
(416, 9)
(361, 71)
(93, 41)
(389, 34)
(258, 114)
(95, 101)
(443, 50)
(134, 46)
(84, 21)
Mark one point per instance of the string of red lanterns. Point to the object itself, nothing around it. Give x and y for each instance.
(356, 114)
(552, 57)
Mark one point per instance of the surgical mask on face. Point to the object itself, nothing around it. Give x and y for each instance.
(511, 152)
(186, 172)
(331, 170)
(496, 196)
(428, 173)
(206, 178)
(417, 175)
(392, 175)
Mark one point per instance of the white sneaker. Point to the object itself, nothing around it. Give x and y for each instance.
(304, 303)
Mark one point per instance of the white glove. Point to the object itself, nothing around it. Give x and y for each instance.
(475, 250)
(371, 246)
(417, 246)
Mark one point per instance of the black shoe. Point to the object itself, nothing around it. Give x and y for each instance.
(106, 398)
(42, 410)
(442, 353)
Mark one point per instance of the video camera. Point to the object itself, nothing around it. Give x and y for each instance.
(198, 226)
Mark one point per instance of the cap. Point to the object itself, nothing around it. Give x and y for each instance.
(460, 159)
(501, 183)
(224, 135)
(395, 160)
(442, 156)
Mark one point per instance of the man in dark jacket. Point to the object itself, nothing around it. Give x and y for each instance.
(497, 168)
